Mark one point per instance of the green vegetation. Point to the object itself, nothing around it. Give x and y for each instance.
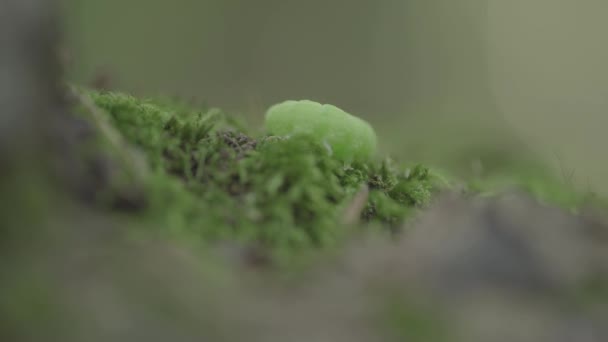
(210, 179)
(206, 178)
(203, 178)
(346, 137)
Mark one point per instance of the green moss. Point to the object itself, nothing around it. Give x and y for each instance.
(209, 179)
(212, 180)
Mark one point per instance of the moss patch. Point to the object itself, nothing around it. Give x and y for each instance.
(211, 179)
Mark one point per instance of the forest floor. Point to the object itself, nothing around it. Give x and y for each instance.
(174, 222)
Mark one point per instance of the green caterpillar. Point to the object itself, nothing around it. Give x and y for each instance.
(346, 137)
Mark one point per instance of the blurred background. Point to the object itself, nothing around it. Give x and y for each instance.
(443, 82)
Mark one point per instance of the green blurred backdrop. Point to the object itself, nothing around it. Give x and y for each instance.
(440, 80)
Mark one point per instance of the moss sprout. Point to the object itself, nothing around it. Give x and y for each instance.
(345, 136)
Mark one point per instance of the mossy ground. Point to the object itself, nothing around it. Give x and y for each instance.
(197, 175)
(210, 179)
(206, 178)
